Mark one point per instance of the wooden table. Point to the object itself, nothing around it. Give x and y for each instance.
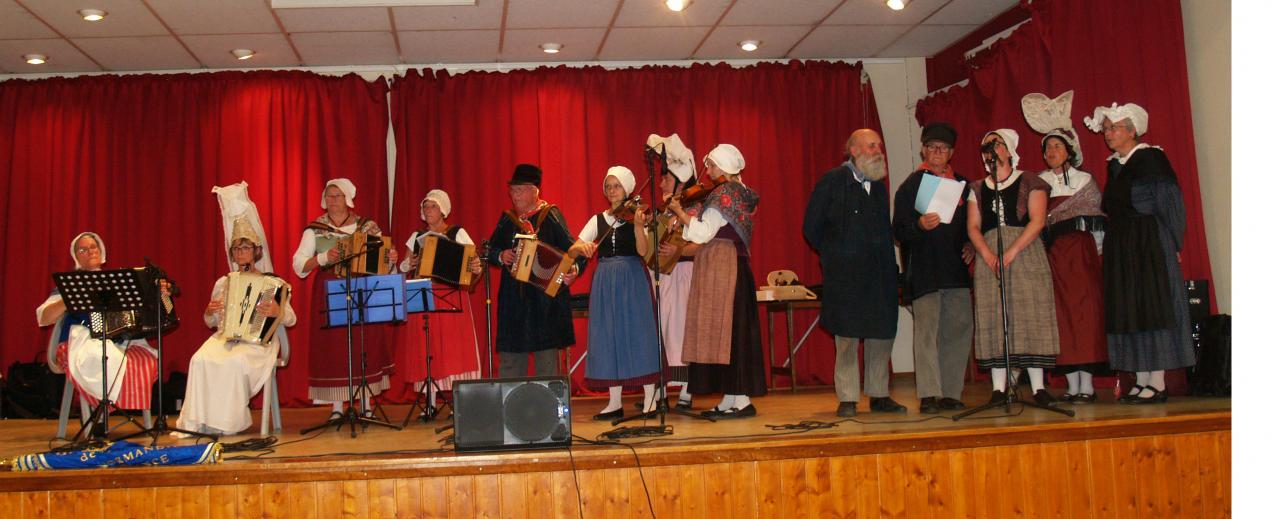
(789, 307)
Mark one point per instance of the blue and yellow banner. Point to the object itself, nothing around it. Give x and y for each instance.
(119, 454)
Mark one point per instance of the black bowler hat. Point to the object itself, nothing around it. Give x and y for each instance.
(526, 174)
(938, 132)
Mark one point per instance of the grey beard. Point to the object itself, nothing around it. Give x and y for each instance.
(872, 167)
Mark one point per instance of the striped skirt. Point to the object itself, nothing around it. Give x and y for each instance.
(1033, 321)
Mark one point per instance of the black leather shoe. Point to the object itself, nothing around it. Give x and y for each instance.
(950, 404)
(1067, 397)
(746, 412)
(997, 397)
(1159, 397)
(712, 413)
(611, 415)
(886, 405)
(1043, 398)
(847, 410)
(1084, 398)
(929, 405)
(684, 405)
(1132, 397)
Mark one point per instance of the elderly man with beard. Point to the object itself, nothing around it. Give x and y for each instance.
(847, 222)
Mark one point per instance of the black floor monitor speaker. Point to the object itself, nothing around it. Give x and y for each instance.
(511, 413)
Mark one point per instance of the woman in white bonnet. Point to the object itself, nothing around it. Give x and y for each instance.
(131, 366)
(1147, 317)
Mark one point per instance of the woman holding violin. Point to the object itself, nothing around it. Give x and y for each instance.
(622, 348)
(722, 293)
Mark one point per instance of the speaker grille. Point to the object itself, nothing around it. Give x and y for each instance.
(525, 412)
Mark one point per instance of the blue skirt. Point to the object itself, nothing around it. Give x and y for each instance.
(622, 331)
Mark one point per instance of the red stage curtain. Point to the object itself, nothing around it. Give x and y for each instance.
(1105, 51)
(465, 133)
(134, 158)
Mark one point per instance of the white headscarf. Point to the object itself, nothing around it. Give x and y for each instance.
(727, 158)
(102, 248)
(440, 198)
(679, 156)
(347, 188)
(624, 176)
(1010, 139)
(235, 204)
(1134, 113)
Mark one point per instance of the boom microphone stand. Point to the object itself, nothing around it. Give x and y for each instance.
(1011, 393)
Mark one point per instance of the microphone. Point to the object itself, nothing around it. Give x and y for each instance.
(989, 147)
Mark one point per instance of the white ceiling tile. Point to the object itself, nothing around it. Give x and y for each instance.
(654, 13)
(63, 57)
(346, 48)
(774, 42)
(652, 43)
(579, 44)
(970, 12)
(925, 41)
(18, 23)
(773, 12)
(876, 13)
(847, 41)
(124, 18)
(425, 47)
(139, 53)
(352, 19)
(542, 14)
(486, 14)
(214, 50)
(216, 16)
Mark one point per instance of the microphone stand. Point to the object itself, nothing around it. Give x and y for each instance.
(1011, 393)
(488, 314)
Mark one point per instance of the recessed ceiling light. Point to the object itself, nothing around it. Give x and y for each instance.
(551, 48)
(749, 45)
(35, 59)
(92, 15)
(677, 5)
(897, 5)
(243, 53)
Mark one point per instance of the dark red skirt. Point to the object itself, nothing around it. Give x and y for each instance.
(1077, 294)
(328, 350)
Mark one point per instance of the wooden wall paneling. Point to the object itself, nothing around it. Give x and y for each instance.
(382, 497)
(35, 504)
(638, 503)
(915, 498)
(249, 500)
(1146, 479)
(692, 503)
(1007, 494)
(1165, 479)
(329, 498)
(1188, 466)
(169, 502)
(1125, 480)
(597, 489)
(868, 481)
(745, 486)
(222, 501)
(435, 498)
(817, 475)
(1224, 461)
(539, 494)
(666, 501)
(718, 490)
(1212, 482)
(488, 496)
(512, 498)
(408, 497)
(794, 496)
(1077, 498)
(566, 495)
(893, 480)
(941, 491)
(986, 479)
(462, 498)
(75, 503)
(303, 500)
(1102, 477)
(964, 494)
(770, 498)
(11, 501)
(1032, 479)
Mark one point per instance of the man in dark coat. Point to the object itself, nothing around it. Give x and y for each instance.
(529, 321)
(847, 222)
(935, 257)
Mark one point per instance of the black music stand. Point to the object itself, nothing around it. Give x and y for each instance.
(421, 298)
(361, 299)
(96, 292)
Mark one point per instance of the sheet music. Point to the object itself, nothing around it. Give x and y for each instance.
(939, 195)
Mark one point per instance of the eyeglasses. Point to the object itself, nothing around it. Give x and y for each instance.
(85, 250)
(242, 248)
(937, 148)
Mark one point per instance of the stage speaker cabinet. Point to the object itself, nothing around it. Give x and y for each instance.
(511, 414)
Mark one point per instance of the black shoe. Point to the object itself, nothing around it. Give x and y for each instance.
(998, 397)
(1045, 399)
(684, 405)
(929, 405)
(712, 413)
(847, 410)
(611, 415)
(1084, 398)
(1067, 397)
(746, 412)
(886, 405)
(1159, 397)
(1132, 397)
(950, 404)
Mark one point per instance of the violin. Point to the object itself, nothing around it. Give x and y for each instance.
(697, 192)
(626, 211)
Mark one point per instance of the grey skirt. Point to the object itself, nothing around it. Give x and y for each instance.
(1033, 321)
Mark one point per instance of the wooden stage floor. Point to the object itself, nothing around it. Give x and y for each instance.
(877, 465)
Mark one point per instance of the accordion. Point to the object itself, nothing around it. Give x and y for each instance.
(445, 260)
(540, 264)
(241, 319)
(370, 252)
(135, 324)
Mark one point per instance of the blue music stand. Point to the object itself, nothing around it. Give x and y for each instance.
(376, 299)
(419, 296)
